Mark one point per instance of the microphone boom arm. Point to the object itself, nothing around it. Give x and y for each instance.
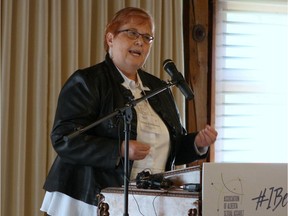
(118, 111)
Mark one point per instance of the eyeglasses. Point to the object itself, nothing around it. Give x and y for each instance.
(133, 34)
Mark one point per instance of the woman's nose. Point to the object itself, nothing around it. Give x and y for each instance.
(139, 41)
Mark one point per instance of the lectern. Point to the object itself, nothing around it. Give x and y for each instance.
(174, 201)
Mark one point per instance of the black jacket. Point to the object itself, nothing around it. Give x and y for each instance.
(90, 162)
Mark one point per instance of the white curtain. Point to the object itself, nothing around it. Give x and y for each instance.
(42, 43)
(251, 81)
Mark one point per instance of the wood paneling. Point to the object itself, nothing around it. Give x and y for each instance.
(197, 21)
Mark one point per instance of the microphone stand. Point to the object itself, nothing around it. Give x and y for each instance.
(126, 112)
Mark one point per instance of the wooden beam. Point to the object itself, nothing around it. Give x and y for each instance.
(197, 51)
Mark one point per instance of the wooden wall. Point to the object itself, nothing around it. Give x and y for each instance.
(198, 25)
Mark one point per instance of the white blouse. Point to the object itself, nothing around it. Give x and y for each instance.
(59, 204)
(150, 130)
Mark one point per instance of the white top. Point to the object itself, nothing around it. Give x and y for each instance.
(150, 130)
(59, 204)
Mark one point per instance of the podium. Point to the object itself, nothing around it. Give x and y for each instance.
(173, 201)
(228, 189)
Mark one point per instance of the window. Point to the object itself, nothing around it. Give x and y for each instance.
(251, 81)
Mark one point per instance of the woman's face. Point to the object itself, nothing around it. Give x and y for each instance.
(128, 52)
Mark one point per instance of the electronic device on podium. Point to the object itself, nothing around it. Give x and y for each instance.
(244, 189)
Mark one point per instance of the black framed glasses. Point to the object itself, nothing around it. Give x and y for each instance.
(133, 34)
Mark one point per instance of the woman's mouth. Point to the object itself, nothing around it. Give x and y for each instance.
(135, 52)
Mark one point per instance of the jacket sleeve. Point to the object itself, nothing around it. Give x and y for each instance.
(186, 152)
(78, 106)
(185, 149)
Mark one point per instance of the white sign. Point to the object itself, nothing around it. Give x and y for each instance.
(244, 189)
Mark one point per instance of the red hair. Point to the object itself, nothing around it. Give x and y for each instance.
(124, 16)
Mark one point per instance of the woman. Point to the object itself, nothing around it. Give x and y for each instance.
(94, 160)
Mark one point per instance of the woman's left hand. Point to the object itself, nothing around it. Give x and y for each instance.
(206, 137)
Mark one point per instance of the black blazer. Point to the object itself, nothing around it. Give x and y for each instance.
(90, 162)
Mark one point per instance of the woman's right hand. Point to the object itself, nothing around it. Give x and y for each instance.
(137, 150)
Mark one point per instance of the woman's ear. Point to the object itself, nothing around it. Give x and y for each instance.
(109, 38)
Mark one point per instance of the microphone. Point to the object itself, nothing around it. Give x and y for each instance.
(177, 77)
